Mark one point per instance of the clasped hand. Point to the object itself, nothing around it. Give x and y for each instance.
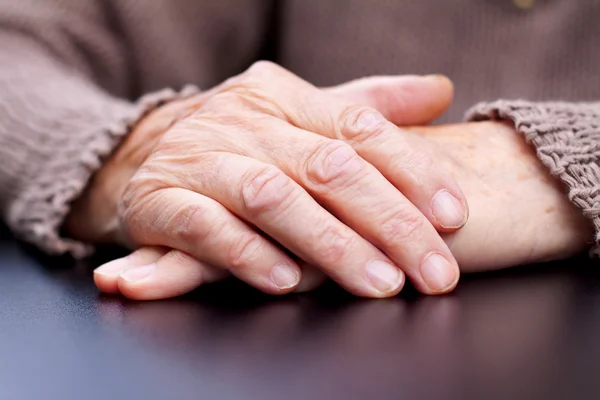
(282, 185)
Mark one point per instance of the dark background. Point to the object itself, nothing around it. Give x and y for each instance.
(529, 333)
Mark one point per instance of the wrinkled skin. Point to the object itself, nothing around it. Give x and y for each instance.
(518, 214)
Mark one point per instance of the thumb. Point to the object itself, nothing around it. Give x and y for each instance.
(403, 100)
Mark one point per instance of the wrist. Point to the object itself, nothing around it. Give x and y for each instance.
(518, 212)
(566, 230)
(561, 229)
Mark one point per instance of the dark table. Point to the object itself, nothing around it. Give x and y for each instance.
(530, 333)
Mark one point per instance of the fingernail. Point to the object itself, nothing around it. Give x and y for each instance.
(384, 276)
(447, 210)
(285, 276)
(438, 273)
(113, 268)
(138, 273)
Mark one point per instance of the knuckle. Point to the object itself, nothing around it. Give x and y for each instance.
(334, 242)
(251, 92)
(134, 191)
(334, 164)
(361, 123)
(135, 202)
(266, 190)
(402, 226)
(263, 68)
(244, 251)
(190, 224)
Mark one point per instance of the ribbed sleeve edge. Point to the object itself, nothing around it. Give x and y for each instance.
(63, 181)
(566, 137)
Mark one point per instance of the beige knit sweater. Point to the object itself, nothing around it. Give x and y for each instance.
(71, 71)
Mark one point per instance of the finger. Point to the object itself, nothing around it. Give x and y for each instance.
(178, 273)
(362, 198)
(403, 100)
(270, 200)
(200, 226)
(402, 158)
(406, 161)
(107, 275)
(174, 274)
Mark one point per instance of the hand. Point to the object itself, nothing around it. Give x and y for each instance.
(519, 213)
(254, 157)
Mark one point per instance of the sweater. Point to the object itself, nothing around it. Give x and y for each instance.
(76, 75)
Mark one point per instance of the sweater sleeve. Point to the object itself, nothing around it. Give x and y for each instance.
(566, 137)
(57, 123)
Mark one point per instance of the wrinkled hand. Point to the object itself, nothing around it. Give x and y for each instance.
(518, 213)
(269, 158)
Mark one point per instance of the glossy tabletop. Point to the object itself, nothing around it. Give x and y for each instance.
(529, 333)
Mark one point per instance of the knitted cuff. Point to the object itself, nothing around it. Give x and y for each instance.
(566, 137)
(40, 210)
